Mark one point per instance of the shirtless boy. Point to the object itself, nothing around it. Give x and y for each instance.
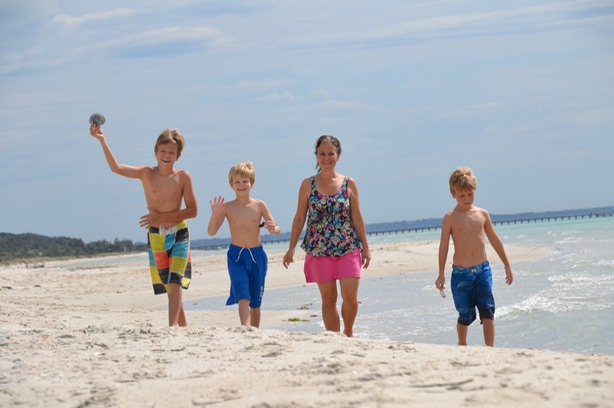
(471, 281)
(247, 261)
(168, 238)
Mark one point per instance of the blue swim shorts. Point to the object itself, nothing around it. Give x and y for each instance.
(471, 288)
(247, 268)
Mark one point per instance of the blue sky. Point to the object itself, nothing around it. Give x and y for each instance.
(523, 92)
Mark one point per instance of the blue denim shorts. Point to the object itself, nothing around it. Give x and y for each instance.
(471, 289)
(247, 268)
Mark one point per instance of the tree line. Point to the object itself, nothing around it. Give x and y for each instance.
(29, 247)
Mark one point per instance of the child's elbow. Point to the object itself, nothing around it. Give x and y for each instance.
(190, 210)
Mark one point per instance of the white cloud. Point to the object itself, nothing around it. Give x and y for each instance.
(339, 104)
(20, 56)
(93, 17)
(163, 36)
(250, 85)
(449, 26)
(323, 93)
(174, 34)
(429, 25)
(539, 17)
(486, 105)
(33, 59)
(12, 137)
(277, 97)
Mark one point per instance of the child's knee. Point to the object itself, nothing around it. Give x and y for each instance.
(466, 316)
(486, 312)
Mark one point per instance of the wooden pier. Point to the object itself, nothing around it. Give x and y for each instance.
(404, 230)
(554, 218)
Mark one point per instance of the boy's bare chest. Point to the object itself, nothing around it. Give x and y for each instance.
(163, 181)
(247, 215)
(159, 187)
(468, 225)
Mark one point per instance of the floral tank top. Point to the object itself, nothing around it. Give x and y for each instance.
(330, 231)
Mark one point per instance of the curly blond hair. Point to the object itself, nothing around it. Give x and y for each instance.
(462, 179)
(244, 169)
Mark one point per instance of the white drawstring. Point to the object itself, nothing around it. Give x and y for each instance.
(250, 253)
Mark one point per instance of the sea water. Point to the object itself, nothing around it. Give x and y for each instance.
(562, 302)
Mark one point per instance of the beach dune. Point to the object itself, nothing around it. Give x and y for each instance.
(97, 337)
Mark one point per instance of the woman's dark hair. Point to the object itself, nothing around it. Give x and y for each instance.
(327, 139)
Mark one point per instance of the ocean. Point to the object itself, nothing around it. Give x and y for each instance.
(564, 302)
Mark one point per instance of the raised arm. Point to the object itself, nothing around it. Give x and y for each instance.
(114, 165)
(358, 222)
(299, 220)
(218, 212)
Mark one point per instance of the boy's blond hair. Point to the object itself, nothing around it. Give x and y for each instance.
(244, 169)
(462, 179)
(171, 136)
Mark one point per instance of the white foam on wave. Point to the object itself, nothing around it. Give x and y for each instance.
(569, 292)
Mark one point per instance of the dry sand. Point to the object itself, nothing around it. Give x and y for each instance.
(97, 337)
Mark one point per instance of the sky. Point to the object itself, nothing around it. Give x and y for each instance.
(522, 92)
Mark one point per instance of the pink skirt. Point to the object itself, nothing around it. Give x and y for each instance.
(329, 268)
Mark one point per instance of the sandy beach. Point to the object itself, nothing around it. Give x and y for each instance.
(98, 337)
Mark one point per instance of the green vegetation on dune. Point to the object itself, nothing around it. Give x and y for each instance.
(33, 247)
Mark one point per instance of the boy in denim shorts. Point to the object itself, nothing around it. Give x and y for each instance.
(471, 281)
(247, 260)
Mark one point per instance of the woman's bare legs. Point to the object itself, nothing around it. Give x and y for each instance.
(349, 306)
(330, 315)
